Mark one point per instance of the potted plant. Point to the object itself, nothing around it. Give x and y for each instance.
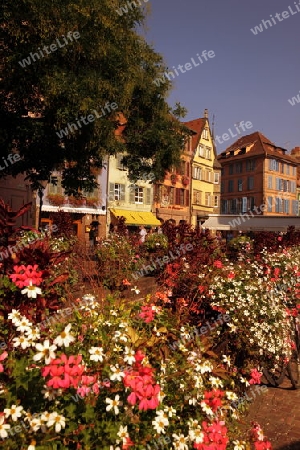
(77, 201)
(91, 201)
(173, 178)
(56, 199)
(185, 180)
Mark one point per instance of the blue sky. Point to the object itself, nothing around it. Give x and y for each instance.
(251, 76)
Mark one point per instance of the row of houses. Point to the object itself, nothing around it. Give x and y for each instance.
(252, 176)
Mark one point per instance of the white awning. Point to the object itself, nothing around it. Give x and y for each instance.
(72, 209)
(247, 222)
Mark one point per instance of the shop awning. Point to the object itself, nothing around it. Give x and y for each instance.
(137, 217)
(73, 209)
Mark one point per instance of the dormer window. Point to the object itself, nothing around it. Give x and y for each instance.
(205, 133)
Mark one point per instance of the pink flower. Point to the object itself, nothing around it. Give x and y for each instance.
(231, 275)
(218, 264)
(2, 357)
(148, 314)
(255, 376)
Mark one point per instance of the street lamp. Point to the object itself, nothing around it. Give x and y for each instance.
(41, 186)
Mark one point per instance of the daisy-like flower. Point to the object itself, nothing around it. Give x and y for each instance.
(129, 355)
(32, 445)
(216, 382)
(57, 420)
(243, 380)
(33, 333)
(206, 366)
(231, 395)
(196, 435)
(136, 290)
(45, 351)
(14, 411)
(65, 338)
(180, 442)
(21, 341)
(123, 433)
(206, 408)
(120, 336)
(160, 422)
(239, 445)
(117, 348)
(117, 374)
(31, 291)
(226, 359)
(15, 316)
(24, 325)
(170, 411)
(113, 404)
(3, 428)
(96, 354)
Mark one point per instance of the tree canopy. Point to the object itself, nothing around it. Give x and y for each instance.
(71, 70)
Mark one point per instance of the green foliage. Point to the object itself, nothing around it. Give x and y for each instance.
(109, 63)
(156, 242)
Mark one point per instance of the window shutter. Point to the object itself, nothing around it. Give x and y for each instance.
(244, 204)
(132, 195)
(177, 196)
(111, 192)
(187, 198)
(148, 196)
(122, 192)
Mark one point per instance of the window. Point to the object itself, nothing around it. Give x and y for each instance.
(293, 187)
(205, 134)
(250, 165)
(201, 151)
(239, 205)
(270, 182)
(294, 171)
(251, 202)
(286, 206)
(250, 183)
(270, 204)
(216, 178)
(239, 167)
(230, 185)
(116, 192)
(244, 204)
(287, 169)
(295, 206)
(274, 165)
(224, 206)
(278, 205)
(216, 201)
(197, 197)
(120, 165)
(137, 195)
(179, 200)
(231, 169)
(282, 167)
(208, 176)
(232, 206)
(208, 153)
(207, 199)
(54, 187)
(240, 185)
(197, 173)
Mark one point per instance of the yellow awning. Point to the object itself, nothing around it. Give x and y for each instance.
(137, 217)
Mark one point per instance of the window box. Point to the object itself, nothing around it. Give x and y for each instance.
(56, 199)
(174, 178)
(185, 180)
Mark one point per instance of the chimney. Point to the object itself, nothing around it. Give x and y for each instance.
(206, 114)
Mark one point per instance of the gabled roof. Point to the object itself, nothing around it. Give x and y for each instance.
(261, 146)
(196, 125)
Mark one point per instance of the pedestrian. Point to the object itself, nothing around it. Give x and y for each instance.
(92, 236)
(142, 233)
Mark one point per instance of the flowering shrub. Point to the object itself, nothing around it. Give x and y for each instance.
(117, 258)
(109, 380)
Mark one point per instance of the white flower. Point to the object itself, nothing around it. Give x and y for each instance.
(170, 411)
(113, 404)
(216, 382)
(32, 446)
(180, 442)
(15, 316)
(226, 360)
(31, 291)
(192, 401)
(129, 355)
(123, 434)
(238, 445)
(45, 351)
(33, 333)
(231, 395)
(14, 412)
(96, 354)
(160, 422)
(206, 408)
(196, 435)
(206, 366)
(21, 341)
(24, 325)
(3, 428)
(65, 338)
(58, 420)
(136, 290)
(243, 380)
(51, 393)
(118, 374)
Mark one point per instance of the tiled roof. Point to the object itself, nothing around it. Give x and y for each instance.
(260, 146)
(197, 126)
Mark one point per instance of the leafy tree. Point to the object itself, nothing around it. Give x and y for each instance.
(108, 70)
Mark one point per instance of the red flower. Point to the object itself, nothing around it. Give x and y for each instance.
(231, 275)
(148, 314)
(201, 289)
(125, 282)
(2, 357)
(218, 264)
(65, 372)
(26, 275)
(255, 376)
